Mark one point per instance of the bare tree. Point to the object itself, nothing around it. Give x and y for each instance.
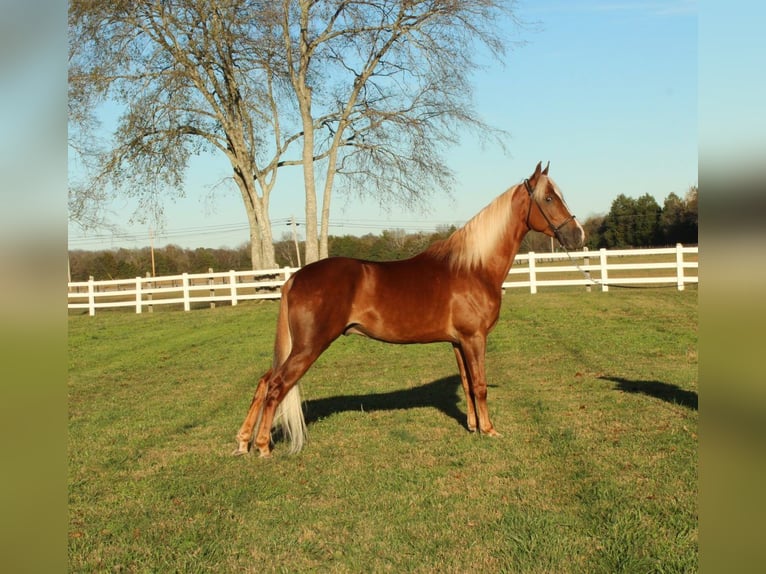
(383, 88)
(194, 76)
(371, 91)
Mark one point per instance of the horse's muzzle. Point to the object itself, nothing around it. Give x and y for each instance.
(571, 235)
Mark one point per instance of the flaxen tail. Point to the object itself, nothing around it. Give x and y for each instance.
(289, 414)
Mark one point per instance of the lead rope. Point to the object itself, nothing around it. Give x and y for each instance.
(586, 274)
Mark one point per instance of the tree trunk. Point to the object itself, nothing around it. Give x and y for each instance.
(332, 161)
(256, 248)
(261, 240)
(299, 79)
(312, 248)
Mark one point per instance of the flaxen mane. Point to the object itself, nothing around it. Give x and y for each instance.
(470, 246)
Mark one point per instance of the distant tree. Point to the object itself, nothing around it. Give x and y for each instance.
(344, 246)
(616, 228)
(443, 231)
(592, 226)
(201, 259)
(171, 260)
(690, 232)
(105, 266)
(631, 223)
(415, 243)
(537, 242)
(672, 219)
(679, 218)
(646, 222)
(392, 243)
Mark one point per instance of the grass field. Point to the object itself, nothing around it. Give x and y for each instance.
(595, 395)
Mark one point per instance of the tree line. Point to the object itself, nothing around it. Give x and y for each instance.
(172, 260)
(643, 222)
(640, 222)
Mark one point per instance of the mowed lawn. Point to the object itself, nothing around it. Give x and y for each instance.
(595, 395)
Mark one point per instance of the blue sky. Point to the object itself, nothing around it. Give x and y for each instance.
(605, 90)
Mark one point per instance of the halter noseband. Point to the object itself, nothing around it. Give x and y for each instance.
(554, 229)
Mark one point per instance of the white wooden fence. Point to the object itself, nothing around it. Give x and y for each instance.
(670, 265)
(673, 266)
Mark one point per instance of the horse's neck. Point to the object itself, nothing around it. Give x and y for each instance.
(499, 247)
(500, 264)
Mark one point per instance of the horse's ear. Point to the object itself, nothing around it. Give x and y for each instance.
(547, 165)
(533, 178)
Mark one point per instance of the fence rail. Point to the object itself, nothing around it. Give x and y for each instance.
(593, 269)
(673, 266)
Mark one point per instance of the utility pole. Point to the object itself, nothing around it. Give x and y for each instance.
(295, 238)
(151, 248)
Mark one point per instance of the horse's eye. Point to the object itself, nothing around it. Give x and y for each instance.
(548, 198)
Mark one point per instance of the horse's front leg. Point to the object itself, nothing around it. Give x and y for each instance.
(474, 350)
(469, 399)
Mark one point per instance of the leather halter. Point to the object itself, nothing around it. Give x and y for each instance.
(553, 228)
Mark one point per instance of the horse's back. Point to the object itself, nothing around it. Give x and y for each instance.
(328, 281)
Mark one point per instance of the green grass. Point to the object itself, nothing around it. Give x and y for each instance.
(595, 395)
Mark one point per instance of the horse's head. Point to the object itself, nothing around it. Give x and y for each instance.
(548, 213)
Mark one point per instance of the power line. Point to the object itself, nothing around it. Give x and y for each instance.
(218, 229)
(118, 236)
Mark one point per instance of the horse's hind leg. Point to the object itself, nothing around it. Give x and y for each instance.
(284, 378)
(245, 434)
(471, 419)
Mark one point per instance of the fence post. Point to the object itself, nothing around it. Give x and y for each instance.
(233, 286)
(91, 297)
(680, 266)
(211, 282)
(185, 286)
(603, 272)
(138, 295)
(288, 274)
(586, 262)
(532, 273)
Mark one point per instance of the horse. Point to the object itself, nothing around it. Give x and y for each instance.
(449, 293)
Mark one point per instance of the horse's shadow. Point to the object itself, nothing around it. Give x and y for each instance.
(657, 389)
(441, 394)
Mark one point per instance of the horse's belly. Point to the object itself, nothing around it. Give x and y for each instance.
(399, 327)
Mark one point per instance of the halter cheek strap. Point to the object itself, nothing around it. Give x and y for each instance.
(553, 228)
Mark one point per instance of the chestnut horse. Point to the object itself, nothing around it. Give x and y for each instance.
(450, 293)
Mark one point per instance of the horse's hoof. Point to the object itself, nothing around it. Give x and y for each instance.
(243, 447)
